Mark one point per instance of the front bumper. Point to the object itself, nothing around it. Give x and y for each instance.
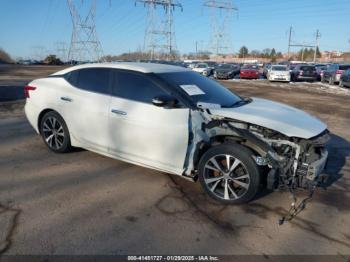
(279, 78)
(306, 78)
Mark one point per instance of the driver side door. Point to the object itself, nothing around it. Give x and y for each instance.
(141, 132)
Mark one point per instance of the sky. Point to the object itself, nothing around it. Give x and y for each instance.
(27, 26)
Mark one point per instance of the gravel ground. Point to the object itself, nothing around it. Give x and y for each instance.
(83, 203)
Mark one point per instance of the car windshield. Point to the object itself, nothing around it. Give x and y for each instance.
(201, 89)
(224, 66)
(250, 67)
(279, 68)
(202, 66)
(344, 67)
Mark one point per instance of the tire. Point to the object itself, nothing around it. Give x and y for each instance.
(323, 80)
(54, 132)
(226, 187)
(341, 83)
(330, 80)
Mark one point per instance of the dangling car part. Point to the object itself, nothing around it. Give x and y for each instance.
(177, 121)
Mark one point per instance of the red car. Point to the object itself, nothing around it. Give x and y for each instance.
(249, 72)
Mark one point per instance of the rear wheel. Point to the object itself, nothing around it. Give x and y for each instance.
(331, 80)
(341, 83)
(229, 174)
(55, 133)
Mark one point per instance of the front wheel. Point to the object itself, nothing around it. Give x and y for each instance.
(228, 173)
(55, 133)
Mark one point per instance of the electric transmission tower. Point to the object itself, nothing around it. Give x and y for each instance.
(84, 45)
(221, 14)
(160, 33)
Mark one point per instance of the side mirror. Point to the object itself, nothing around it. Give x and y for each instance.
(164, 101)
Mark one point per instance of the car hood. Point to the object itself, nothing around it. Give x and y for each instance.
(282, 118)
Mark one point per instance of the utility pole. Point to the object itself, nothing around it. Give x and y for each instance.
(318, 35)
(289, 40)
(160, 33)
(84, 45)
(221, 14)
(303, 46)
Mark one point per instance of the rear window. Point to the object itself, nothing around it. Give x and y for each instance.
(344, 67)
(250, 67)
(279, 68)
(307, 68)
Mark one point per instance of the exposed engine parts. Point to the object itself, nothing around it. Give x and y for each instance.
(291, 163)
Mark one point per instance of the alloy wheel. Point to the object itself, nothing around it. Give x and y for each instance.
(53, 133)
(226, 177)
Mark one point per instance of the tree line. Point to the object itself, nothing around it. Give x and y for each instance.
(271, 53)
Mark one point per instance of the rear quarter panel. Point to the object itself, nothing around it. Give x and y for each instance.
(45, 96)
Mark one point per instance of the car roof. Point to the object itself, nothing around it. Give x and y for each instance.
(134, 66)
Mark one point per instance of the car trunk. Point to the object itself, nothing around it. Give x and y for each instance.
(308, 71)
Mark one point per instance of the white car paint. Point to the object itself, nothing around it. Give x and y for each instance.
(202, 68)
(145, 134)
(278, 75)
(285, 119)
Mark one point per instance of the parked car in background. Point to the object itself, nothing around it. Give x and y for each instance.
(320, 68)
(226, 71)
(266, 69)
(304, 73)
(333, 73)
(211, 66)
(278, 73)
(249, 71)
(202, 68)
(345, 79)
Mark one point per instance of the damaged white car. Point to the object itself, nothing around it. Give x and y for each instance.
(174, 120)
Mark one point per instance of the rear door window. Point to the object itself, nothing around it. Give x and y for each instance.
(94, 79)
(91, 79)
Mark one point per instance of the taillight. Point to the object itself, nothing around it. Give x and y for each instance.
(339, 72)
(27, 89)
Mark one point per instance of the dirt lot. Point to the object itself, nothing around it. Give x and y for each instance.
(83, 203)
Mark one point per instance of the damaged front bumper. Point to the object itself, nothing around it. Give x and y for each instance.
(315, 169)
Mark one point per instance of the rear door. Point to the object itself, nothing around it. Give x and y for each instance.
(346, 78)
(141, 132)
(85, 104)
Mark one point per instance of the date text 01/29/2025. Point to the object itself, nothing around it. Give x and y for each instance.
(173, 258)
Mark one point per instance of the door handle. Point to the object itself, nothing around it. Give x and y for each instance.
(118, 112)
(67, 99)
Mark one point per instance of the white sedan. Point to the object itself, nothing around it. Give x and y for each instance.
(202, 68)
(174, 120)
(278, 73)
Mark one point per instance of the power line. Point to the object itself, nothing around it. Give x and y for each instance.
(303, 45)
(84, 45)
(160, 34)
(221, 13)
